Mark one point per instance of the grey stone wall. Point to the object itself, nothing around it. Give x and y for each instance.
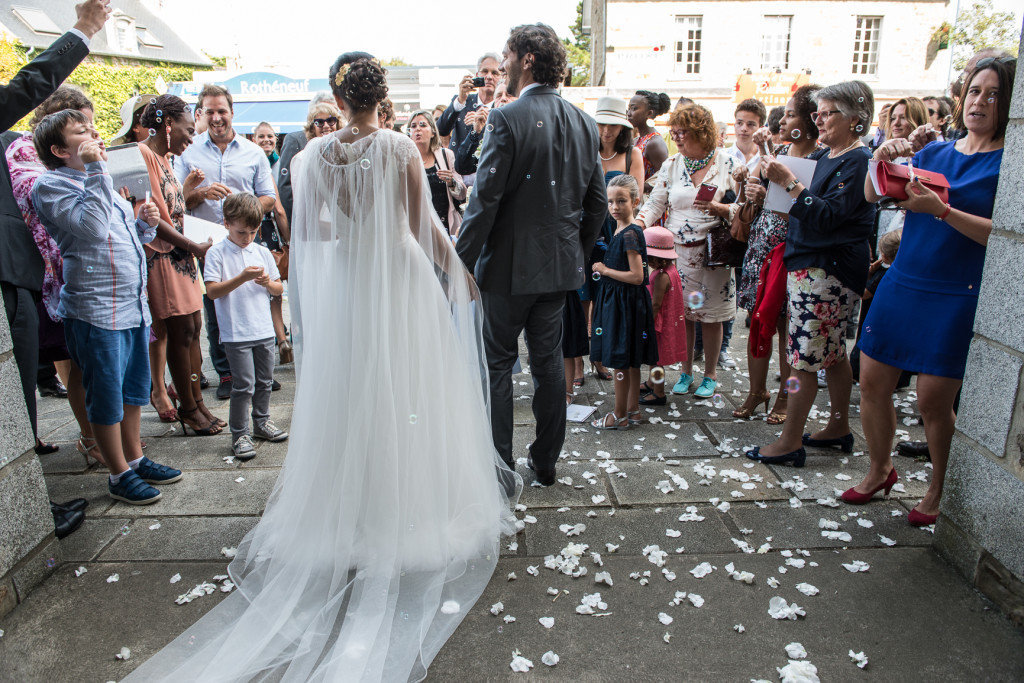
(28, 550)
(980, 529)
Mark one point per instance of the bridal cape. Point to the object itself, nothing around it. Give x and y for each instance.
(383, 528)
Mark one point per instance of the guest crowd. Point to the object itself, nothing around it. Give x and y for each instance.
(796, 223)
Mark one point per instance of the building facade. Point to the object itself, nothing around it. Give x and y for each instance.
(715, 51)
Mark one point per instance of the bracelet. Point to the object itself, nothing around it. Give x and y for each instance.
(942, 216)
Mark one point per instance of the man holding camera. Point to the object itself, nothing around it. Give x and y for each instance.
(461, 114)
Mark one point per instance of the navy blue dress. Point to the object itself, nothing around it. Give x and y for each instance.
(922, 316)
(623, 313)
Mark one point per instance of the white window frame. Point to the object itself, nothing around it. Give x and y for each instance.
(687, 45)
(775, 41)
(867, 40)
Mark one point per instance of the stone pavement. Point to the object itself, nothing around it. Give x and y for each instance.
(909, 612)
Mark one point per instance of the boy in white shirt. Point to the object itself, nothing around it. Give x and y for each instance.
(241, 276)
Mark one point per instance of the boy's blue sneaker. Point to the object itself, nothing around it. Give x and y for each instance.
(132, 490)
(706, 389)
(683, 385)
(155, 473)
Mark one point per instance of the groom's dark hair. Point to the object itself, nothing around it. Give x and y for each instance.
(540, 40)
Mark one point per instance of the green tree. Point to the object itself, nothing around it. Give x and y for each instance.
(396, 61)
(980, 27)
(218, 62)
(578, 50)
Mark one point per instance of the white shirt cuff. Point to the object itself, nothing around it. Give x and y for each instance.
(85, 38)
(458, 106)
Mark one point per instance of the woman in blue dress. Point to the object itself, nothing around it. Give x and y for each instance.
(922, 317)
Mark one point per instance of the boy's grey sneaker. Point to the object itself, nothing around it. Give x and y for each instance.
(243, 448)
(725, 361)
(132, 490)
(269, 432)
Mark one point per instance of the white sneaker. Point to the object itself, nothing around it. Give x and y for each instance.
(243, 448)
(268, 431)
(821, 379)
(725, 361)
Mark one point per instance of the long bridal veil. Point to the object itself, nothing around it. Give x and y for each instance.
(383, 527)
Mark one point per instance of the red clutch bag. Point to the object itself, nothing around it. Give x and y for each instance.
(891, 181)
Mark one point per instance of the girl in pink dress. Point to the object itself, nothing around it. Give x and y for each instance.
(669, 312)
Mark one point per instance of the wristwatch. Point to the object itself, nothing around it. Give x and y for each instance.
(793, 183)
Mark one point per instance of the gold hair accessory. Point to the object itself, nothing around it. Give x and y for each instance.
(342, 72)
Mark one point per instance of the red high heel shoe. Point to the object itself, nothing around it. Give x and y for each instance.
(920, 519)
(854, 497)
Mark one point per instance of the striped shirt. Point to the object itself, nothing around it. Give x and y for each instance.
(101, 242)
(242, 167)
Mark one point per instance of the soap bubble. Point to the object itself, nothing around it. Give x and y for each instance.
(88, 269)
(51, 563)
(125, 530)
(284, 171)
(159, 112)
(489, 127)
(540, 124)
(792, 385)
(493, 170)
(580, 269)
(355, 130)
(194, 377)
(413, 419)
(860, 99)
(527, 176)
(596, 276)
(842, 185)
(645, 335)
(152, 100)
(695, 300)
(808, 201)
(364, 164)
(991, 100)
(796, 134)
(839, 173)
(619, 376)
(152, 133)
(500, 629)
(598, 331)
(552, 182)
(718, 401)
(658, 375)
(860, 129)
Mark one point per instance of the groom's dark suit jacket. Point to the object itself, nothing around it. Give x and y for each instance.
(539, 200)
(20, 263)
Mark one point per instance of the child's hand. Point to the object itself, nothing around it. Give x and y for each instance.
(599, 268)
(252, 272)
(150, 213)
(92, 150)
(263, 280)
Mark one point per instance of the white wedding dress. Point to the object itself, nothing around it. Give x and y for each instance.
(383, 528)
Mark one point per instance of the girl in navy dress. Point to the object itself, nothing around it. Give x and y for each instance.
(623, 325)
(922, 316)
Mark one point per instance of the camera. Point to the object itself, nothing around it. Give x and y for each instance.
(478, 82)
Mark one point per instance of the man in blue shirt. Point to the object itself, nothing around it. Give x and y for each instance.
(229, 163)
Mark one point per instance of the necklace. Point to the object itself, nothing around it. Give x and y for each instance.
(856, 143)
(694, 165)
(614, 154)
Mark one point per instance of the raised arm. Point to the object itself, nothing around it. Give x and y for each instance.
(84, 214)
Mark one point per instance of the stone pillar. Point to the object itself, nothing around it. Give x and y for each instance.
(28, 549)
(981, 530)
(598, 41)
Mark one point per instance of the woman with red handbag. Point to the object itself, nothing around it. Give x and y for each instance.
(922, 316)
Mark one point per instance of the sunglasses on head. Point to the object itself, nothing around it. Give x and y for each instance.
(319, 123)
(989, 61)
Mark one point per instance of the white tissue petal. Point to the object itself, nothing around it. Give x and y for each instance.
(549, 658)
(796, 651)
(547, 622)
(450, 607)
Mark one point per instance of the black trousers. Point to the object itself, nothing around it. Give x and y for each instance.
(23, 318)
(505, 318)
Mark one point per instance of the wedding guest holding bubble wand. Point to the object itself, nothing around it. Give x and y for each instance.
(827, 259)
(768, 230)
(175, 295)
(922, 315)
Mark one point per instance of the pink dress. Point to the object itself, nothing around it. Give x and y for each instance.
(670, 321)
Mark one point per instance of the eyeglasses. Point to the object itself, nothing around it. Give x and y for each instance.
(319, 123)
(822, 116)
(989, 61)
(677, 134)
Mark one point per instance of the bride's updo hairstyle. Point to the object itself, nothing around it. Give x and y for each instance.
(358, 79)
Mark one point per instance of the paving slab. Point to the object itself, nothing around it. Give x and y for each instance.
(92, 537)
(207, 493)
(855, 467)
(641, 486)
(177, 538)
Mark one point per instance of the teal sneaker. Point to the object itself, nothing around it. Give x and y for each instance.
(683, 385)
(706, 389)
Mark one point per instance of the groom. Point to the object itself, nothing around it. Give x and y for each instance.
(536, 210)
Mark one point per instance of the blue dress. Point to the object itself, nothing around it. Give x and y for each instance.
(623, 313)
(590, 288)
(922, 316)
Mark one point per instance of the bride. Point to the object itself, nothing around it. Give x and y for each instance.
(383, 527)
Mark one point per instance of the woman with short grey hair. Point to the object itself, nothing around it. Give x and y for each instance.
(827, 259)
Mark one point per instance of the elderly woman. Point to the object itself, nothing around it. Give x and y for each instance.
(175, 294)
(922, 316)
(322, 119)
(827, 258)
(710, 292)
(445, 184)
(767, 231)
(25, 168)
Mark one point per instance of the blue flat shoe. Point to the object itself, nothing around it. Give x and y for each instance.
(683, 385)
(845, 443)
(706, 389)
(797, 458)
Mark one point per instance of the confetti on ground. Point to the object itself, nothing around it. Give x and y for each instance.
(113, 578)
(778, 608)
(547, 622)
(519, 663)
(859, 658)
(124, 655)
(80, 571)
(549, 658)
(857, 566)
(796, 651)
(798, 672)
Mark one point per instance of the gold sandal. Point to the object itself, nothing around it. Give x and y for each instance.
(746, 412)
(775, 417)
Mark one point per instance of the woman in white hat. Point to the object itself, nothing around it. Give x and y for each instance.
(131, 129)
(618, 157)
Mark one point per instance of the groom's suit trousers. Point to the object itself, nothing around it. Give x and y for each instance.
(506, 316)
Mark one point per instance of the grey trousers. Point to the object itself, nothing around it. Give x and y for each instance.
(252, 375)
(540, 315)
